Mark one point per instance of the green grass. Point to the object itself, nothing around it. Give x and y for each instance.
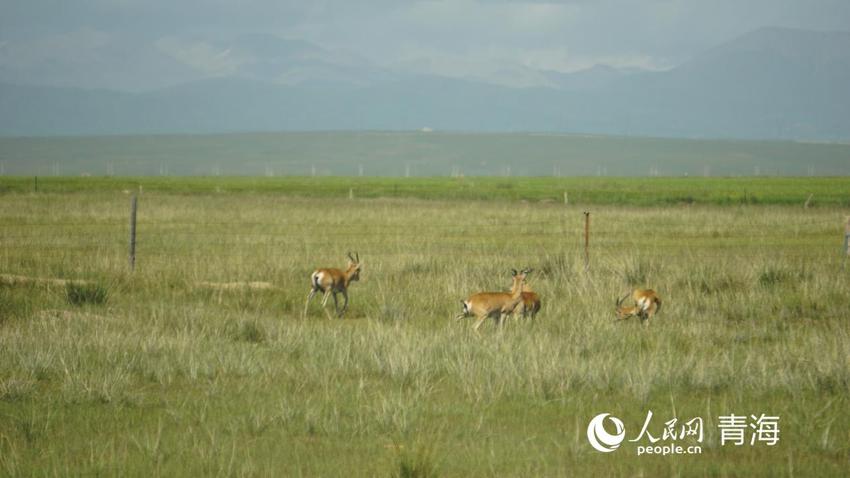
(81, 294)
(827, 192)
(170, 376)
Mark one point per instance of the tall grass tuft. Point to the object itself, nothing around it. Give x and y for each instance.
(80, 294)
(250, 331)
(555, 265)
(772, 276)
(419, 463)
(640, 272)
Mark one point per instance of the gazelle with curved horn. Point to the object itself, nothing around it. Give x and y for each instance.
(646, 305)
(333, 281)
(497, 305)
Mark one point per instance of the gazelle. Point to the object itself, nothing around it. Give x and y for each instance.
(530, 305)
(647, 304)
(497, 305)
(333, 281)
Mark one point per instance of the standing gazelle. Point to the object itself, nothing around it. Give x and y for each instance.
(530, 305)
(333, 281)
(497, 305)
(647, 303)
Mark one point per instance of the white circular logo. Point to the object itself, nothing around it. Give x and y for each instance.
(601, 439)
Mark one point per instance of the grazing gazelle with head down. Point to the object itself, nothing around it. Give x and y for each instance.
(646, 304)
(497, 305)
(333, 281)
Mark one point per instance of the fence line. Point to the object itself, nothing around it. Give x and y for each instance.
(700, 241)
(495, 224)
(562, 229)
(602, 239)
(825, 252)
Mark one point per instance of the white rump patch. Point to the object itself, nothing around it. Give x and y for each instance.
(318, 278)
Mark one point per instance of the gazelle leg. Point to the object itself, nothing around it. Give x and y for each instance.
(325, 303)
(344, 304)
(336, 304)
(478, 323)
(309, 298)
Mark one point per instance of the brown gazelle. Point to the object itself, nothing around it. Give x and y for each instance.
(530, 305)
(333, 281)
(646, 304)
(497, 305)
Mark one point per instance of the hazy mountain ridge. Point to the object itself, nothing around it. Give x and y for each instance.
(771, 83)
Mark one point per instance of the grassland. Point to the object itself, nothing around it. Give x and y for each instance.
(584, 191)
(397, 154)
(177, 369)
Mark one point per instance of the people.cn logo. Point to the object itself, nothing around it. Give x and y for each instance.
(600, 439)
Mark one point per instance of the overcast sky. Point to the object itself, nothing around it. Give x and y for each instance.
(139, 44)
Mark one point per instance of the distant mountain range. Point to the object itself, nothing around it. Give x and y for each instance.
(773, 83)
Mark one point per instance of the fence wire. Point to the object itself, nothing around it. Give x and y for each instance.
(809, 238)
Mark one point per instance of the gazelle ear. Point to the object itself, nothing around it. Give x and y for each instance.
(513, 272)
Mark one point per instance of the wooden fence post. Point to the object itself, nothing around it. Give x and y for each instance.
(586, 241)
(132, 258)
(846, 243)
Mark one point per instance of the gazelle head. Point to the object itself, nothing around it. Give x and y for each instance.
(354, 265)
(519, 278)
(625, 312)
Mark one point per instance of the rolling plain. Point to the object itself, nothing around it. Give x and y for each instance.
(198, 362)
